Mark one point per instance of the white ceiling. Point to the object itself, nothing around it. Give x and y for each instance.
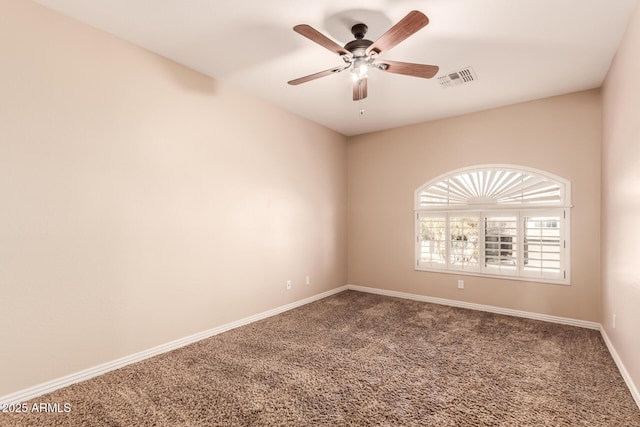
(519, 49)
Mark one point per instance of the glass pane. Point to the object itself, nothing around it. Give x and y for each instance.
(501, 246)
(542, 244)
(463, 247)
(432, 240)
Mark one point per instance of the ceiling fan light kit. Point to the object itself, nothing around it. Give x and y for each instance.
(361, 55)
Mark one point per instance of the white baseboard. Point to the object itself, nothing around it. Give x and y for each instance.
(49, 386)
(480, 307)
(623, 370)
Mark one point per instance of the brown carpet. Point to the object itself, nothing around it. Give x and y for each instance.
(362, 359)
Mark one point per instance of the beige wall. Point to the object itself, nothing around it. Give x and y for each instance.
(561, 135)
(621, 201)
(143, 202)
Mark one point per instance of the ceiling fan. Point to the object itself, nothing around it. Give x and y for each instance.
(360, 54)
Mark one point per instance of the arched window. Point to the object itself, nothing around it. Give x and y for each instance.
(495, 220)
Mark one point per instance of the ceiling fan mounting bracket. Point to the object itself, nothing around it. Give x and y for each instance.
(359, 31)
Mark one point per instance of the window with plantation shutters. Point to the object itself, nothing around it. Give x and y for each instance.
(495, 220)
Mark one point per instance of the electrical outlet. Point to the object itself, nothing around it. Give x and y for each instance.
(460, 284)
(307, 280)
(288, 285)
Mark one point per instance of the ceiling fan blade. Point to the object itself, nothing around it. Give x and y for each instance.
(407, 26)
(316, 36)
(359, 89)
(317, 75)
(409, 69)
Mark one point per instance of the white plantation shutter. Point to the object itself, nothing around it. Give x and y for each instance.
(492, 185)
(543, 245)
(496, 220)
(501, 244)
(432, 241)
(464, 240)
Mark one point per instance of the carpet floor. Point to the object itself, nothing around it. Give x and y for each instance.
(361, 359)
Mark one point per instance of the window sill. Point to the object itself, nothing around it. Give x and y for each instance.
(565, 282)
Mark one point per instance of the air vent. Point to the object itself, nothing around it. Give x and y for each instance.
(465, 75)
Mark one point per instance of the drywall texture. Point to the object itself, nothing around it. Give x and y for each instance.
(561, 135)
(621, 201)
(143, 202)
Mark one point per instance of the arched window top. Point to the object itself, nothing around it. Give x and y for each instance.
(496, 186)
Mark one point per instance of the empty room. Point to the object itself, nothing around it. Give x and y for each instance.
(319, 213)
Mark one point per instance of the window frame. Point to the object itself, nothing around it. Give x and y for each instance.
(559, 208)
